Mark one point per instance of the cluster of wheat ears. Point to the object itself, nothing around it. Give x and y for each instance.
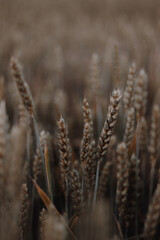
(109, 190)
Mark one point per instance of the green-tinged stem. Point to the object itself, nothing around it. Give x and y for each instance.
(96, 184)
(48, 173)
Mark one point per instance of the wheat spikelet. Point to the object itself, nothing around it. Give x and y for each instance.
(76, 192)
(122, 177)
(153, 215)
(140, 94)
(154, 135)
(104, 178)
(24, 208)
(64, 148)
(129, 128)
(143, 138)
(54, 227)
(22, 86)
(128, 93)
(109, 124)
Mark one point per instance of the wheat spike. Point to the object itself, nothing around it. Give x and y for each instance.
(76, 192)
(64, 148)
(24, 208)
(85, 144)
(37, 164)
(154, 134)
(87, 115)
(134, 180)
(95, 76)
(90, 166)
(153, 215)
(128, 93)
(22, 86)
(23, 116)
(140, 94)
(109, 124)
(129, 128)
(122, 177)
(143, 138)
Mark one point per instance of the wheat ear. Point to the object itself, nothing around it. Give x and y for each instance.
(129, 128)
(122, 177)
(154, 142)
(128, 93)
(65, 155)
(152, 215)
(107, 132)
(76, 192)
(140, 94)
(24, 209)
(22, 86)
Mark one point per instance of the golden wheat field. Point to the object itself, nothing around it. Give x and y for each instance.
(79, 120)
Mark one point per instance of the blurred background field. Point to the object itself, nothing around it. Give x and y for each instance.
(75, 49)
